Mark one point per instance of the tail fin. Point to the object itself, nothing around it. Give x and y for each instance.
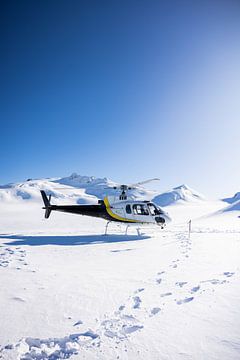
(46, 203)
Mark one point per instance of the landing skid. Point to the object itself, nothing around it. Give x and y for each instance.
(126, 229)
(106, 227)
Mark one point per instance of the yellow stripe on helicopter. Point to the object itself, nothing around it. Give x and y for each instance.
(117, 217)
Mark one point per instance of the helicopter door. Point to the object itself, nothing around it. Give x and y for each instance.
(119, 211)
(128, 212)
(141, 213)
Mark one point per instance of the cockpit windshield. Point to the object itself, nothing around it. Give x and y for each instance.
(154, 210)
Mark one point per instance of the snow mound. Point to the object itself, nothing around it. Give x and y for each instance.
(180, 194)
(230, 211)
(233, 207)
(233, 199)
(30, 191)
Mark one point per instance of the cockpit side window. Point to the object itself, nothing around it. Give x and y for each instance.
(140, 209)
(160, 211)
(128, 209)
(154, 210)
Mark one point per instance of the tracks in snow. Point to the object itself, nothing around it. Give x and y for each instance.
(128, 318)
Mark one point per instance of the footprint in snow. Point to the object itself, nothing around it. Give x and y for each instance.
(139, 290)
(137, 302)
(228, 273)
(131, 329)
(166, 294)
(4, 263)
(79, 322)
(155, 311)
(54, 348)
(181, 283)
(19, 299)
(119, 328)
(128, 317)
(9, 250)
(195, 289)
(184, 301)
(117, 251)
(214, 281)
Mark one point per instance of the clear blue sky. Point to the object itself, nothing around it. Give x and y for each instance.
(123, 89)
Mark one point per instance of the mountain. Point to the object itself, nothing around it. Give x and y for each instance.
(97, 187)
(30, 191)
(72, 189)
(100, 187)
(88, 189)
(180, 194)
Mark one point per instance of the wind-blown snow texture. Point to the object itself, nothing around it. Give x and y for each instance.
(68, 292)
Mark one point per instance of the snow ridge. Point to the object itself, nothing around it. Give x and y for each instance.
(233, 199)
(179, 194)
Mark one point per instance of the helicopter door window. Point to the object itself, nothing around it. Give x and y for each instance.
(140, 209)
(128, 209)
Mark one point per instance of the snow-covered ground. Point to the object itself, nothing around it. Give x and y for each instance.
(68, 291)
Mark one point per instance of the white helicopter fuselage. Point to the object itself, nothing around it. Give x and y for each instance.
(134, 211)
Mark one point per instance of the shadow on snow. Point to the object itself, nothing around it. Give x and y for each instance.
(37, 240)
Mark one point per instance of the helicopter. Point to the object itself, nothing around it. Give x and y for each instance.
(121, 208)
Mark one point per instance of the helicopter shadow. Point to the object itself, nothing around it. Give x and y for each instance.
(76, 240)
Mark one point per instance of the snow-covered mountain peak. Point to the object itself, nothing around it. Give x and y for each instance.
(182, 187)
(77, 180)
(185, 191)
(180, 194)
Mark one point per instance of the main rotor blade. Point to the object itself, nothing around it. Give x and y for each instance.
(67, 188)
(145, 182)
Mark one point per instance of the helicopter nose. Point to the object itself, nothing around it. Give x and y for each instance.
(160, 220)
(163, 219)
